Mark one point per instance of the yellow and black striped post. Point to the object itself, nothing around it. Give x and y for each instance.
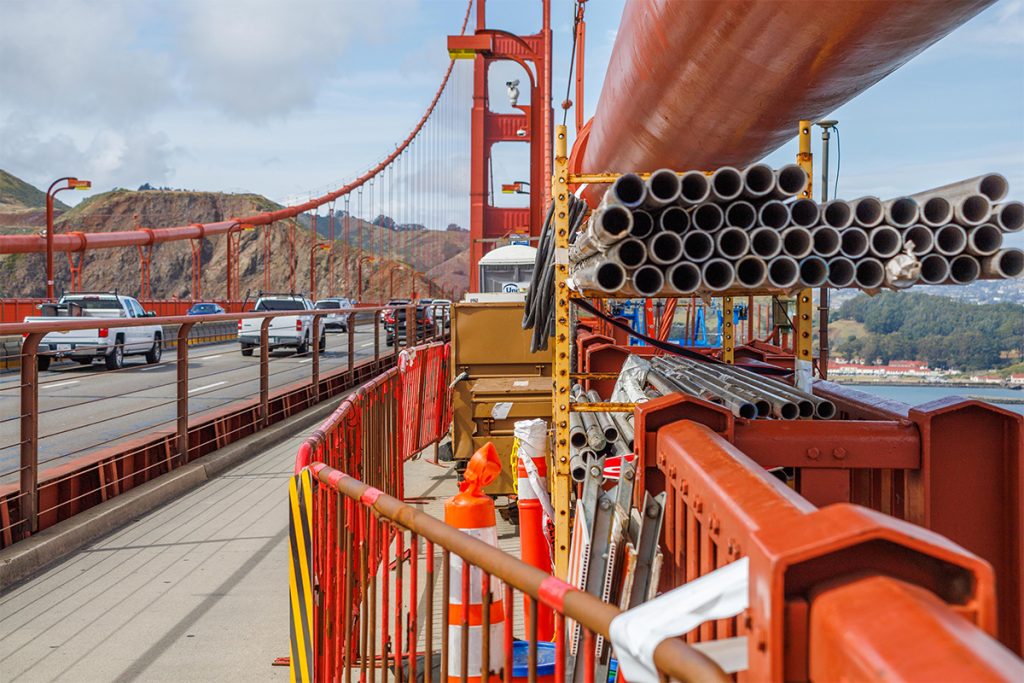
(300, 575)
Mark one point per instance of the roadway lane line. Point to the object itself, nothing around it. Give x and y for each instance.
(208, 386)
(217, 355)
(370, 343)
(58, 384)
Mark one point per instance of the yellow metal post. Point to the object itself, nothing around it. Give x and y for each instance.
(561, 480)
(728, 331)
(803, 322)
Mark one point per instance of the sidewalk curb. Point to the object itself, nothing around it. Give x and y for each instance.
(26, 558)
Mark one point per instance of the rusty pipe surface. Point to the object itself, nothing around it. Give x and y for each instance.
(685, 78)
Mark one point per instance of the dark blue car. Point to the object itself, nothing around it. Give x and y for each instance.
(205, 309)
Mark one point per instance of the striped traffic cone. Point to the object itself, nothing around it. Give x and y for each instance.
(532, 440)
(472, 511)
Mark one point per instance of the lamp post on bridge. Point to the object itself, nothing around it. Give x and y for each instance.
(359, 276)
(391, 278)
(312, 266)
(72, 184)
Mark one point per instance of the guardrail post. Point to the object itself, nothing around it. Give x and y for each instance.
(376, 335)
(316, 357)
(411, 323)
(29, 479)
(351, 341)
(182, 391)
(265, 371)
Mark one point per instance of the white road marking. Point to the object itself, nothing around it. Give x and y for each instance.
(58, 384)
(217, 355)
(366, 344)
(305, 360)
(151, 367)
(208, 386)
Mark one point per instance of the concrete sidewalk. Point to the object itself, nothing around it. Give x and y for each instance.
(195, 590)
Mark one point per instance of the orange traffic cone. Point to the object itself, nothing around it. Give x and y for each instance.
(532, 440)
(472, 511)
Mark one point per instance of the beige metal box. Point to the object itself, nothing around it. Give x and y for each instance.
(503, 381)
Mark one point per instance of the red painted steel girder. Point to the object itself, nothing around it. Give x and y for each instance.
(706, 84)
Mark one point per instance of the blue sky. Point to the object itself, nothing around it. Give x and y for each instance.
(288, 99)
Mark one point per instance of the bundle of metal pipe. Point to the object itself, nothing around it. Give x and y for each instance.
(745, 393)
(748, 230)
(594, 435)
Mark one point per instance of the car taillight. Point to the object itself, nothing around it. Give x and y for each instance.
(298, 325)
(239, 324)
(104, 332)
(388, 318)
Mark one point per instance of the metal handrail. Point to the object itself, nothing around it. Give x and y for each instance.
(673, 656)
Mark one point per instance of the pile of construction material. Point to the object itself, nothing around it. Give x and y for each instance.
(748, 230)
(593, 436)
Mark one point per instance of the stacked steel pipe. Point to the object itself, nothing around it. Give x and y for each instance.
(747, 230)
(595, 435)
(745, 393)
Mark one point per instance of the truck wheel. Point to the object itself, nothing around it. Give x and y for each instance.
(303, 347)
(43, 363)
(153, 355)
(115, 359)
(323, 342)
(246, 350)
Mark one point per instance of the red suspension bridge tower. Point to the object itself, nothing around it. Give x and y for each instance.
(533, 127)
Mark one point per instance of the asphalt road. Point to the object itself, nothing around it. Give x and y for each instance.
(85, 408)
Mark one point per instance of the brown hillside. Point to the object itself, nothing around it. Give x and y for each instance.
(171, 269)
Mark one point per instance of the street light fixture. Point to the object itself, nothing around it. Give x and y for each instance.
(70, 184)
(324, 246)
(359, 276)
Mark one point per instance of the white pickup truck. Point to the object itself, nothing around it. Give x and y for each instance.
(285, 331)
(111, 344)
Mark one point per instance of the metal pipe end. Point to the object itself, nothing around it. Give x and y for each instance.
(1009, 216)
(813, 271)
(837, 214)
(664, 248)
(783, 272)
(629, 190)
(630, 252)
(804, 213)
(936, 211)
(885, 241)
(984, 240)
(974, 209)
(841, 272)
(995, 186)
(790, 180)
(726, 184)
(751, 272)
(1008, 263)
(868, 211)
(826, 241)
(694, 188)
(853, 243)
(648, 280)
(805, 407)
(643, 224)
(674, 219)
(870, 273)
(923, 238)
(950, 240)
(773, 214)
(732, 243)
(699, 246)
(789, 411)
(718, 274)
(797, 242)
(684, 278)
(758, 180)
(934, 269)
(748, 411)
(765, 242)
(663, 187)
(708, 217)
(825, 410)
(741, 214)
(901, 212)
(964, 269)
